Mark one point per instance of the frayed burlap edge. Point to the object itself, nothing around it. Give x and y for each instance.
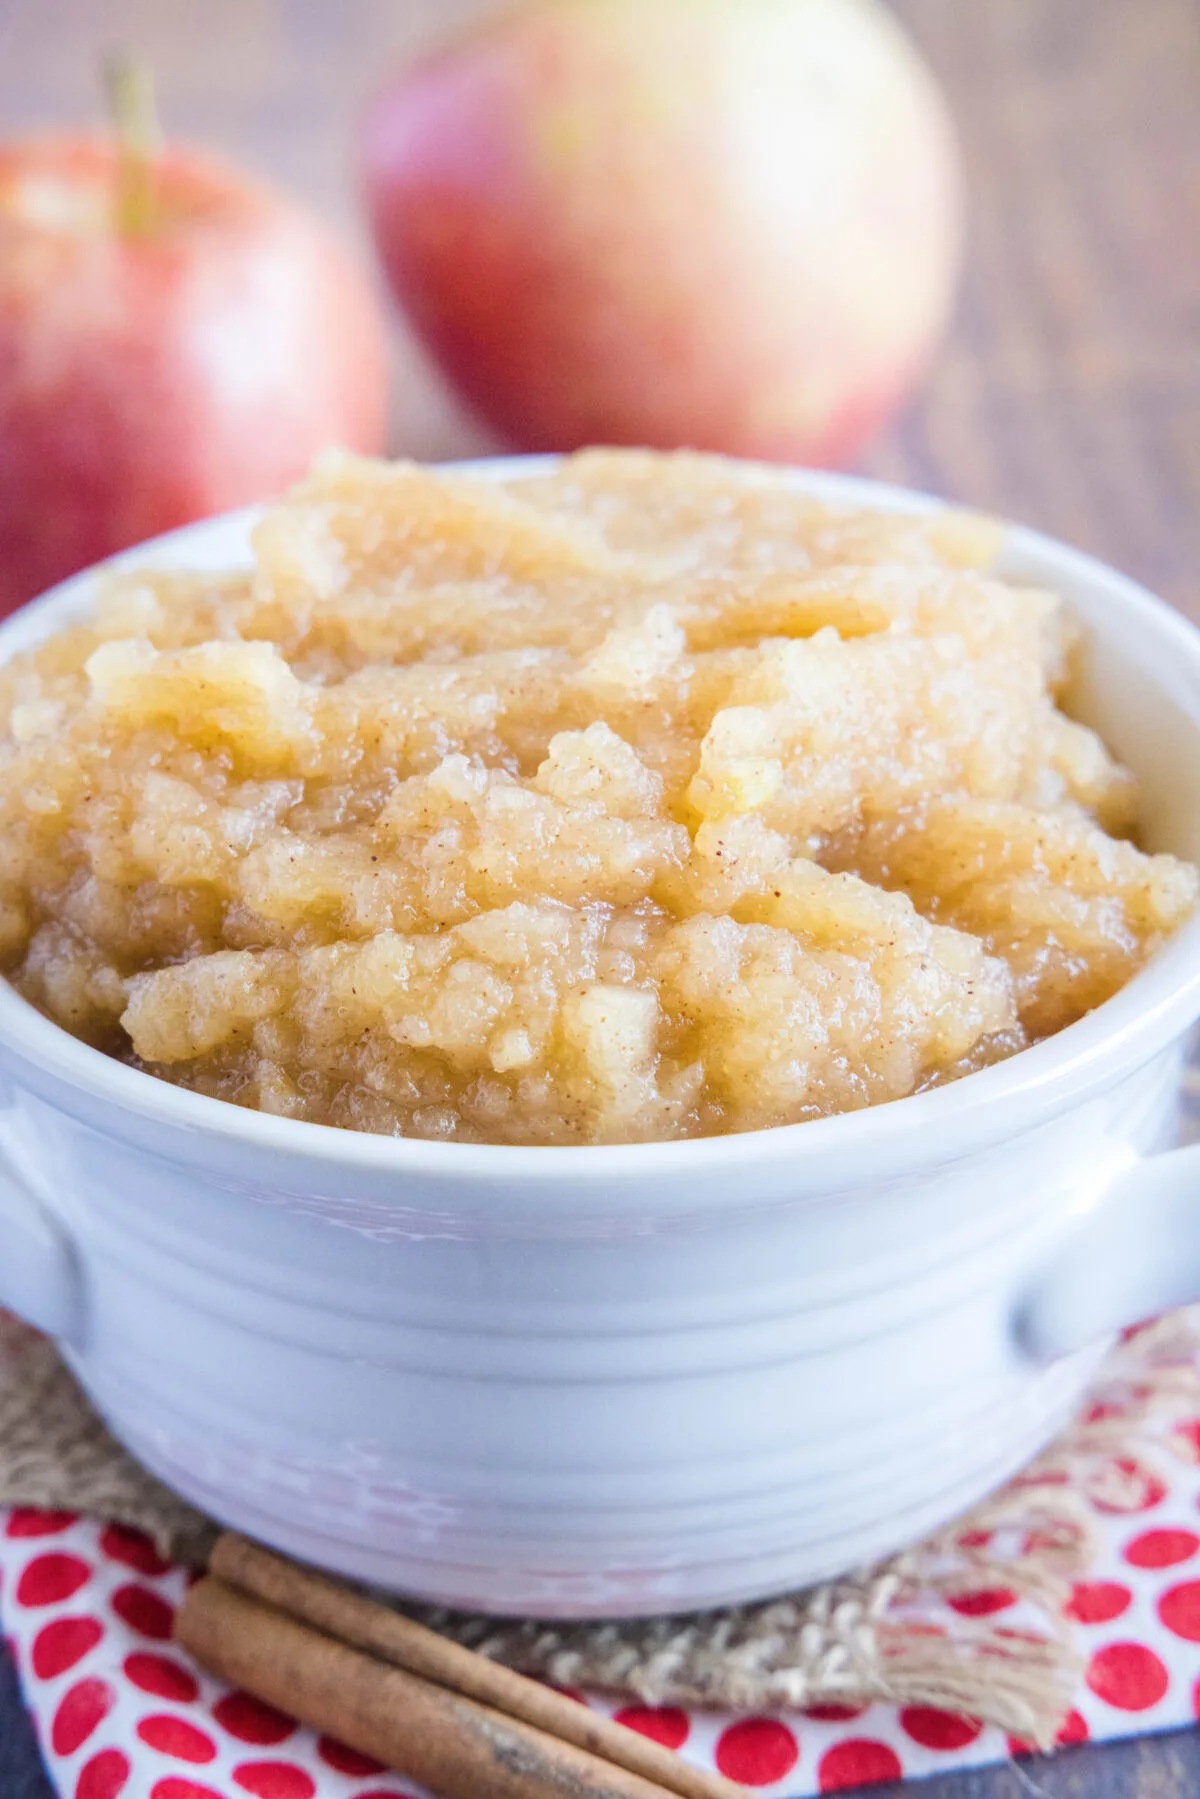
(56, 1453)
(884, 1634)
(887, 1633)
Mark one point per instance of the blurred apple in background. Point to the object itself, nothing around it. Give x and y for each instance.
(175, 339)
(732, 224)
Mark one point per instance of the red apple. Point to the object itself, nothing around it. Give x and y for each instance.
(730, 224)
(151, 376)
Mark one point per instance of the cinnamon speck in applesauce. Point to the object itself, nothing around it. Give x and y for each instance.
(645, 799)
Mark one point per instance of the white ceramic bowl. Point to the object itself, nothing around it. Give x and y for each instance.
(624, 1380)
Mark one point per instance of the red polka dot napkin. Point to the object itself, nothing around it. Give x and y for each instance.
(122, 1713)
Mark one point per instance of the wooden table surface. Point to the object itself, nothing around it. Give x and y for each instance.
(1068, 394)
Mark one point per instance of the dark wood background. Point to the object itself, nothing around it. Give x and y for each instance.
(1068, 394)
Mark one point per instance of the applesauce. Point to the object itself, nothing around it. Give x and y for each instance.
(648, 798)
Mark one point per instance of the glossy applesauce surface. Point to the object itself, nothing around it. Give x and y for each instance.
(647, 799)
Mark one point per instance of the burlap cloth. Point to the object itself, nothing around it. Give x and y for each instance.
(884, 1633)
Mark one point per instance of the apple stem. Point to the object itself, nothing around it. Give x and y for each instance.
(134, 118)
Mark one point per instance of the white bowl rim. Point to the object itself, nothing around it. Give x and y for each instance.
(936, 1126)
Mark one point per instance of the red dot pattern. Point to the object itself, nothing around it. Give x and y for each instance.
(275, 1780)
(51, 1578)
(173, 1786)
(1098, 1601)
(79, 1711)
(132, 1548)
(104, 1776)
(145, 1611)
(666, 1724)
(983, 1603)
(757, 1751)
(344, 1759)
(31, 1521)
(1073, 1729)
(935, 1729)
(858, 1762)
(1162, 1548)
(1129, 1676)
(122, 1710)
(62, 1643)
(165, 1678)
(1179, 1609)
(175, 1736)
(252, 1721)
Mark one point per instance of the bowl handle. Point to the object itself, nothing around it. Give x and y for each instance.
(39, 1273)
(1134, 1254)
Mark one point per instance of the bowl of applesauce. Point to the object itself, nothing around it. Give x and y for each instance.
(595, 1036)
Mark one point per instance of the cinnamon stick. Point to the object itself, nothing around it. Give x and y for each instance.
(454, 1746)
(349, 1617)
